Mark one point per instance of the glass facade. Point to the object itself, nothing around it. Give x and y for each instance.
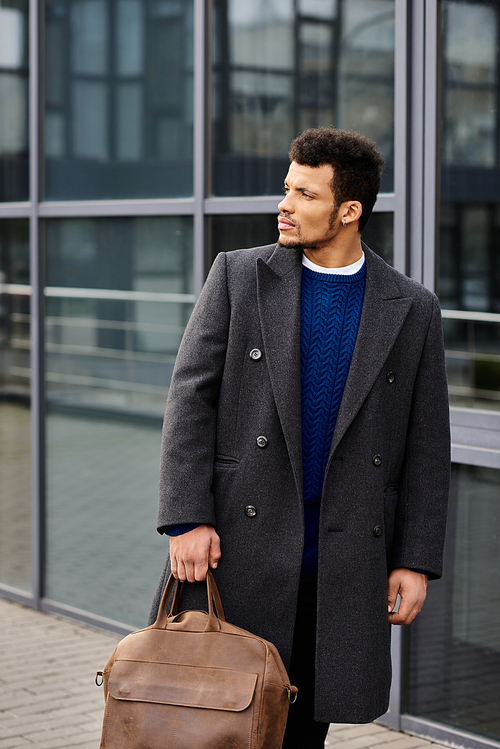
(164, 130)
(119, 90)
(118, 296)
(455, 641)
(15, 414)
(280, 67)
(235, 232)
(469, 221)
(14, 167)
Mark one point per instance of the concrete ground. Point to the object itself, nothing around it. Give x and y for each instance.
(48, 698)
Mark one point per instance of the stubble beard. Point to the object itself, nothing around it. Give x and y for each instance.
(301, 242)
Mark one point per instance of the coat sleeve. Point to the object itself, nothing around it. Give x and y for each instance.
(189, 427)
(424, 486)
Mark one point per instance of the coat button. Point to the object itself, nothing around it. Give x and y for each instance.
(255, 354)
(250, 511)
(377, 531)
(262, 441)
(377, 460)
(390, 377)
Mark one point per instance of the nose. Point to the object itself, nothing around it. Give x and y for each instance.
(285, 205)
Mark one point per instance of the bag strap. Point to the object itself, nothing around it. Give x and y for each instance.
(215, 609)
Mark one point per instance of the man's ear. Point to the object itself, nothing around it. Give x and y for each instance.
(350, 212)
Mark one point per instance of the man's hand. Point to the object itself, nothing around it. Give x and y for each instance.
(191, 553)
(412, 587)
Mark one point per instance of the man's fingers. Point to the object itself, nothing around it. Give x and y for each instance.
(215, 552)
(412, 587)
(191, 553)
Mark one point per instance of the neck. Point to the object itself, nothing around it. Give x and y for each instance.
(344, 251)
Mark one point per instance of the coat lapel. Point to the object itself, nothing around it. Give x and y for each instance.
(384, 311)
(278, 285)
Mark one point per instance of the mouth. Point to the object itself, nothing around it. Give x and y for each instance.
(284, 223)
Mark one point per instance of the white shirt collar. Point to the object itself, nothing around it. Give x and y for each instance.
(347, 270)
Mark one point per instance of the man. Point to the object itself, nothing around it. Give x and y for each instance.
(305, 452)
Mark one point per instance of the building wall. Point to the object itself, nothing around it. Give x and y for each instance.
(139, 138)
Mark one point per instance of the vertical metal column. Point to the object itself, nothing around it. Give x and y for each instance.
(199, 153)
(401, 248)
(423, 136)
(401, 81)
(431, 173)
(416, 134)
(36, 327)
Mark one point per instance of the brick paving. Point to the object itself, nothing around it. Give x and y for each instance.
(48, 699)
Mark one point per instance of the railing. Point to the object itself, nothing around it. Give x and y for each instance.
(468, 355)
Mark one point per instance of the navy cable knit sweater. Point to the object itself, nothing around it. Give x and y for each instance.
(330, 314)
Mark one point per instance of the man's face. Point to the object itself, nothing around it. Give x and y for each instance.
(308, 216)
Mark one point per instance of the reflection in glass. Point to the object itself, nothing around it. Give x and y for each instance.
(455, 640)
(15, 429)
(469, 283)
(14, 166)
(280, 67)
(119, 110)
(237, 232)
(119, 293)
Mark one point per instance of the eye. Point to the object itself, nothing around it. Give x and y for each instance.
(286, 189)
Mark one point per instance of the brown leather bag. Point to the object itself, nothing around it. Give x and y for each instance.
(194, 681)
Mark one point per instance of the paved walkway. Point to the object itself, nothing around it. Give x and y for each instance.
(48, 699)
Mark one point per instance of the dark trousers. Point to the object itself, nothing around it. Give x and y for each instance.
(302, 731)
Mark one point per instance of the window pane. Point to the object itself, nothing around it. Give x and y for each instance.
(119, 90)
(237, 232)
(280, 67)
(455, 641)
(15, 428)
(118, 296)
(14, 168)
(469, 281)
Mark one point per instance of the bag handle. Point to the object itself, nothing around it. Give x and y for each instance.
(215, 610)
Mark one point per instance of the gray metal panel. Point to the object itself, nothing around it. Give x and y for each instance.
(94, 208)
(445, 734)
(399, 205)
(19, 596)
(416, 134)
(392, 718)
(430, 144)
(199, 161)
(36, 310)
(397, 202)
(109, 625)
(475, 436)
(15, 210)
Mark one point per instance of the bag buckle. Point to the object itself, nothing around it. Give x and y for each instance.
(99, 679)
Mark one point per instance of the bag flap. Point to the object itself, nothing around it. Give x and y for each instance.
(187, 686)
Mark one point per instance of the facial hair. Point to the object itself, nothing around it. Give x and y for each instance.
(300, 244)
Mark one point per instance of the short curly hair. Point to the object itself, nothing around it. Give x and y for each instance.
(356, 161)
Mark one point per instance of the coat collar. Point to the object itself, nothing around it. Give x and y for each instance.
(384, 311)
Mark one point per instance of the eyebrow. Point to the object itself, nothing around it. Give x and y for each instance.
(301, 189)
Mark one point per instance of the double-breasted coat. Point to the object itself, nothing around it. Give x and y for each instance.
(237, 381)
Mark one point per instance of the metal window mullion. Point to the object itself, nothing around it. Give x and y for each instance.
(416, 136)
(400, 259)
(400, 135)
(199, 145)
(36, 311)
(430, 165)
(114, 208)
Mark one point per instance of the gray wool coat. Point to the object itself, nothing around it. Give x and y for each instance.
(386, 485)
